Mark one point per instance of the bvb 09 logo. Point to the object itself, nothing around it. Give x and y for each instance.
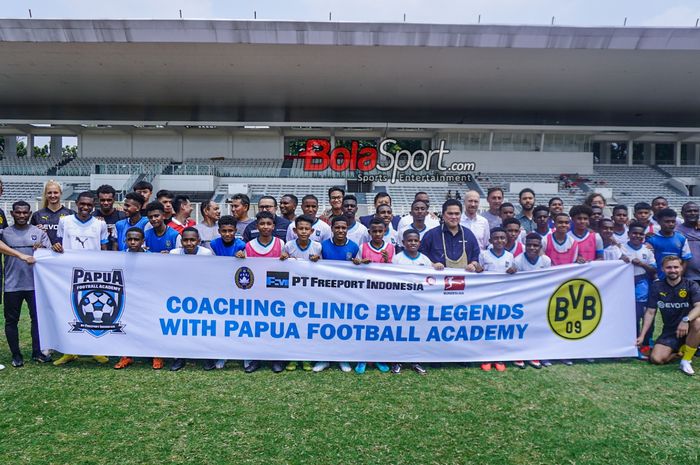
(575, 309)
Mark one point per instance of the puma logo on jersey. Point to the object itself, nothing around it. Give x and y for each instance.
(81, 240)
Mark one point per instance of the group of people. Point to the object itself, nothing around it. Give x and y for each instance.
(651, 237)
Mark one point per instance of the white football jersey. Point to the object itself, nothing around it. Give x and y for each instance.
(522, 263)
(79, 235)
(403, 259)
(294, 251)
(321, 232)
(492, 262)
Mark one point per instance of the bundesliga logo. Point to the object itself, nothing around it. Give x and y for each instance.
(98, 301)
(454, 283)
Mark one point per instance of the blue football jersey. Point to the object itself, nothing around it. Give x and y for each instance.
(168, 241)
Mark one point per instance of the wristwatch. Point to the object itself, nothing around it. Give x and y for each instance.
(685, 319)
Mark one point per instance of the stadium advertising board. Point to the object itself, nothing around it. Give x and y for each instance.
(387, 162)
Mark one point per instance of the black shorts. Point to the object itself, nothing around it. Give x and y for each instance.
(670, 340)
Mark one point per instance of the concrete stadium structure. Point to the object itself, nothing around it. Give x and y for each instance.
(216, 106)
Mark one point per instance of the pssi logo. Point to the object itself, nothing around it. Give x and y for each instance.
(575, 309)
(244, 278)
(279, 279)
(98, 301)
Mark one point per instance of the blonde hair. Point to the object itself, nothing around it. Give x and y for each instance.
(50, 183)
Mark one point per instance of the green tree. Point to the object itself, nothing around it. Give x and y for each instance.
(21, 149)
(69, 151)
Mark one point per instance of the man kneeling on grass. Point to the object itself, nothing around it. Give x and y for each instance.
(678, 300)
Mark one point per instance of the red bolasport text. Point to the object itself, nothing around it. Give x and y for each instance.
(404, 165)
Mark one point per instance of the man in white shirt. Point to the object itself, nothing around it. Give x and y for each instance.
(419, 216)
(431, 220)
(82, 231)
(477, 224)
(356, 230)
(321, 231)
(190, 244)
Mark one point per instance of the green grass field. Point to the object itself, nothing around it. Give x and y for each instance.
(603, 413)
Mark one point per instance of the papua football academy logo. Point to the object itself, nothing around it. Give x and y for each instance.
(244, 278)
(98, 301)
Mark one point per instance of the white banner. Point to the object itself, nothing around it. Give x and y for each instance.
(114, 303)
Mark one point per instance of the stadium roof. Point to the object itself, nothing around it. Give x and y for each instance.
(202, 70)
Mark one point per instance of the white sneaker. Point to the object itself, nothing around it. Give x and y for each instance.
(2, 367)
(345, 367)
(687, 368)
(220, 364)
(320, 366)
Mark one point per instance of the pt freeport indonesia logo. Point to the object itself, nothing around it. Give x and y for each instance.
(387, 162)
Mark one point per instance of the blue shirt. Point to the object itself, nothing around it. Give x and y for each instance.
(664, 246)
(331, 251)
(168, 241)
(122, 226)
(222, 250)
(432, 247)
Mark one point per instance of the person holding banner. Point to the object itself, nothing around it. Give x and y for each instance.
(532, 259)
(338, 248)
(264, 245)
(412, 257)
(452, 244)
(81, 231)
(497, 258)
(562, 249)
(227, 244)
(377, 250)
(134, 239)
(302, 248)
(644, 267)
(678, 300)
(190, 246)
(18, 243)
(560, 246)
